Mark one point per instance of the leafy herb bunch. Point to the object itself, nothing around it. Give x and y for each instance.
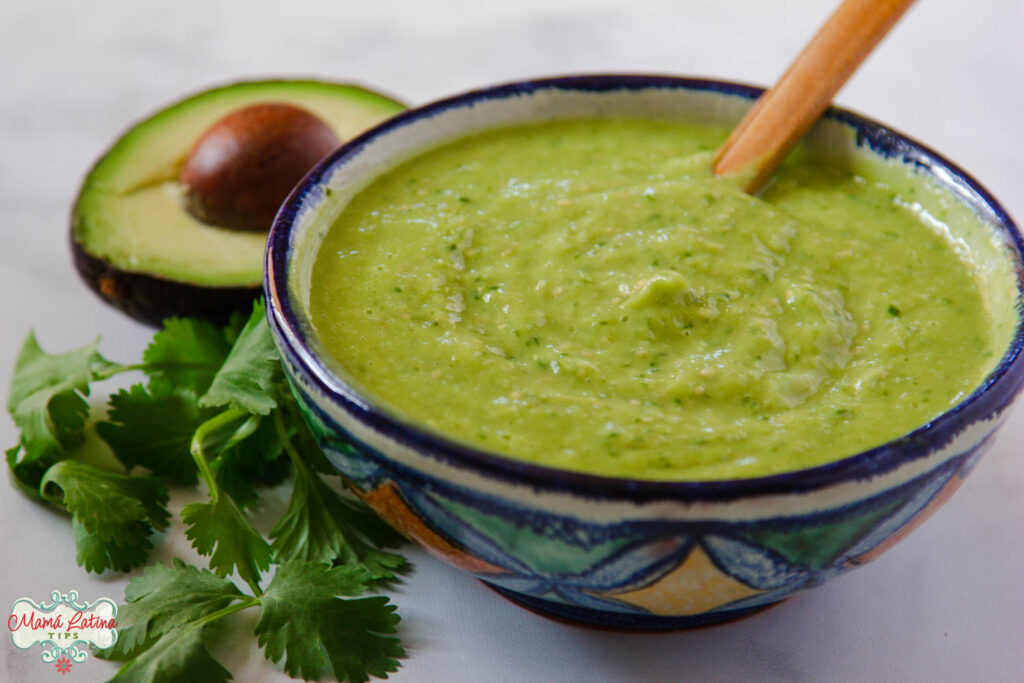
(215, 407)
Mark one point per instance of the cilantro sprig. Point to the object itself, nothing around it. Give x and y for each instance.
(303, 618)
(214, 408)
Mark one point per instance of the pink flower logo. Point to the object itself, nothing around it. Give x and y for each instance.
(63, 665)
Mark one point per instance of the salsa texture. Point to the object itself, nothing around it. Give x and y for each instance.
(584, 294)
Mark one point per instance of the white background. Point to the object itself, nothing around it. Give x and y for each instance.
(947, 604)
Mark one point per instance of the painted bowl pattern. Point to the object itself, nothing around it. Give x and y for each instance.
(606, 551)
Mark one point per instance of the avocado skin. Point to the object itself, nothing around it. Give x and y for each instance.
(150, 299)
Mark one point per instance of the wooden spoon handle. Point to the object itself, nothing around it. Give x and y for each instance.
(783, 114)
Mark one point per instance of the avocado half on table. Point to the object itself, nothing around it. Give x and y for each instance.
(173, 219)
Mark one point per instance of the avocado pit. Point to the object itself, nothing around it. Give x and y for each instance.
(242, 167)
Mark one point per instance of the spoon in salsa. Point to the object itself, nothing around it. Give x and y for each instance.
(784, 113)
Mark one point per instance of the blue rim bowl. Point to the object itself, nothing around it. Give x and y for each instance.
(609, 551)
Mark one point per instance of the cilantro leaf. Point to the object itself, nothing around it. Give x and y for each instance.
(218, 527)
(106, 501)
(113, 514)
(49, 425)
(153, 428)
(96, 555)
(178, 655)
(35, 370)
(247, 380)
(255, 459)
(26, 474)
(46, 396)
(186, 353)
(319, 634)
(165, 598)
(321, 526)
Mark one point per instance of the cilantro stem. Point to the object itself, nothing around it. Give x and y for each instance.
(214, 423)
(243, 602)
(107, 373)
(286, 441)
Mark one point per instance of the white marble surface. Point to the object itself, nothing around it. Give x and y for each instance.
(947, 604)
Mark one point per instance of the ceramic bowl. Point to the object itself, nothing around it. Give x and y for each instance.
(609, 551)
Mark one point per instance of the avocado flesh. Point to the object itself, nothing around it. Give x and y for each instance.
(148, 231)
(129, 219)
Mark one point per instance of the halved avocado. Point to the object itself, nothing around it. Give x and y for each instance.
(134, 242)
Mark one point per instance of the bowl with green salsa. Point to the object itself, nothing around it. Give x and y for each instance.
(539, 337)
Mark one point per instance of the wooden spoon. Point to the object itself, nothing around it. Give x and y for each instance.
(783, 114)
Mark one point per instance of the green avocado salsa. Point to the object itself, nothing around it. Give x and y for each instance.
(584, 294)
